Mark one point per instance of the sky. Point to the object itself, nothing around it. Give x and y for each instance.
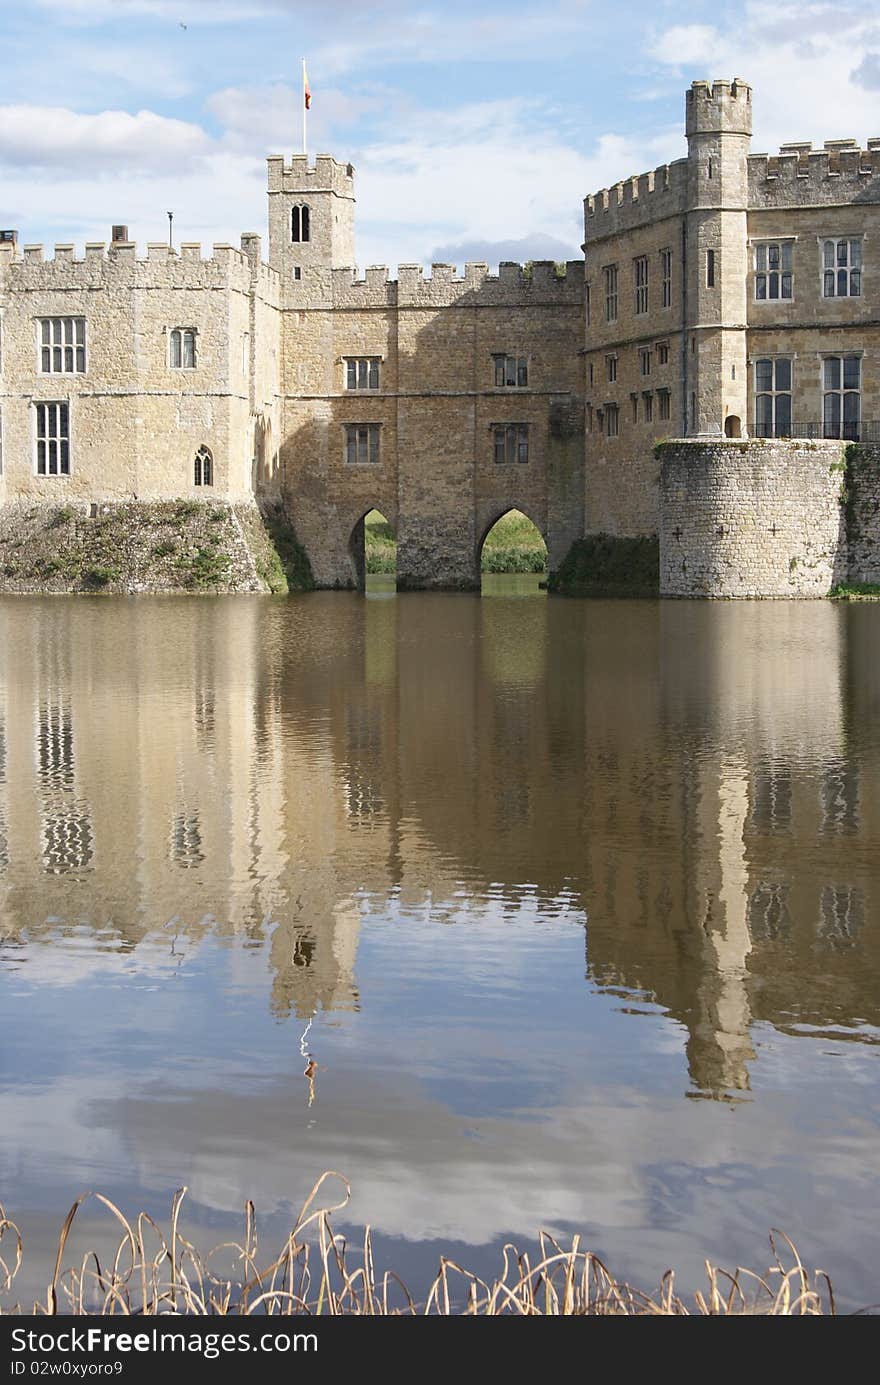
(476, 127)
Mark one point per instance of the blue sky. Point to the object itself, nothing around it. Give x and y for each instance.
(476, 128)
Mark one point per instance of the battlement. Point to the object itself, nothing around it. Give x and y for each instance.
(800, 175)
(161, 267)
(299, 176)
(637, 200)
(718, 107)
(540, 282)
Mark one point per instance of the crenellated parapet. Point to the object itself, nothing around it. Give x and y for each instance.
(540, 283)
(636, 201)
(326, 174)
(718, 107)
(119, 265)
(801, 176)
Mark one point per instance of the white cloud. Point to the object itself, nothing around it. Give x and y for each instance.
(431, 187)
(803, 60)
(685, 43)
(65, 141)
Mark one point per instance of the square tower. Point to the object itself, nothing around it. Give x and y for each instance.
(311, 215)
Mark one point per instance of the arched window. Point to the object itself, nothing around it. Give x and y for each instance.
(203, 469)
(183, 348)
(299, 223)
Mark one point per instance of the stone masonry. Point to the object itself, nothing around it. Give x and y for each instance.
(725, 296)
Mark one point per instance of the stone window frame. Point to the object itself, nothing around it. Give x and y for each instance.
(664, 405)
(76, 349)
(851, 270)
(61, 437)
(300, 222)
(785, 246)
(351, 365)
(203, 466)
(501, 364)
(510, 443)
(611, 367)
(666, 277)
(612, 415)
(640, 285)
(587, 304)
(644, 361)
(372, 443)
(647, 406)
(634, 401)
(774, 392)
(183, 334)
(611, 282)
(843, 392)
(662, 349)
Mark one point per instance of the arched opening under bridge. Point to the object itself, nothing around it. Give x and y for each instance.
(513, 554)
(373, 552)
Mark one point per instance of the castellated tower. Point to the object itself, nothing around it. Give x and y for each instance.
(311, 215)
(718, 128)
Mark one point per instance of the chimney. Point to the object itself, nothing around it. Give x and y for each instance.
(120, 235)
(9, 238)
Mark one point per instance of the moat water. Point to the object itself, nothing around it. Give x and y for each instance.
(575, 904)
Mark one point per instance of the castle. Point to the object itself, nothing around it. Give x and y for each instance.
(728, 300)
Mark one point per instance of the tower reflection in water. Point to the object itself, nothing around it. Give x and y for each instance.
(697, 780)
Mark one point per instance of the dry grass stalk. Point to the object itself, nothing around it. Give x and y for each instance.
(154, 1273)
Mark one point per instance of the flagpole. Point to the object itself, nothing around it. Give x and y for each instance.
(304, 107)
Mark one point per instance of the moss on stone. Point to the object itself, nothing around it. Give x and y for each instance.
(284, 565)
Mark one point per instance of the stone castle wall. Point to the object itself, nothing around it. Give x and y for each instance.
(863, 513)
(436, 481)
(763, 518)
(136, 422)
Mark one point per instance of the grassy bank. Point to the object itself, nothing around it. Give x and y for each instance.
(156, 1270)
(855, 591)
(513, 545)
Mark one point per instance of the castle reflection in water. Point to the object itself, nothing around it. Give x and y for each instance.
(699, 780)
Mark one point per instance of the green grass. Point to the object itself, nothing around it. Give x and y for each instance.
(514, 544)
(380, 545)
(855, 591)
(286, 567)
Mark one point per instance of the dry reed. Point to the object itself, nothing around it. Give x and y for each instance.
(154, 1272)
